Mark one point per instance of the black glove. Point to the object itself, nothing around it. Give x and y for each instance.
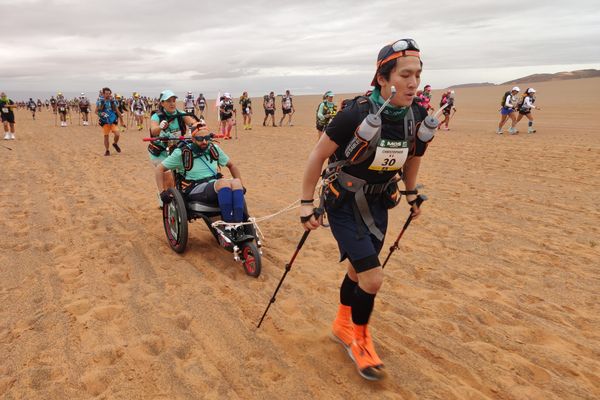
(165, 196)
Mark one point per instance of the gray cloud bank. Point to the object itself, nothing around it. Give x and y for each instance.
(258, 45)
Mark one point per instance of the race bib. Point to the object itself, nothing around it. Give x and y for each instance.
(5, 110)
(390, 155)
(62, 109)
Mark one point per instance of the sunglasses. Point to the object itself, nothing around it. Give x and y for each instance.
(201, 138)
(400, 48)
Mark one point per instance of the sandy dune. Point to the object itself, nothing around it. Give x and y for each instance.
(493, 294)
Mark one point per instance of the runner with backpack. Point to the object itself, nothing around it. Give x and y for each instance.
(246, 104)
(201, 103)
(287, 108)
(325, 112)
(371, 144)
(169, 123)
(525, 105)
(108, 113)
(508, 105)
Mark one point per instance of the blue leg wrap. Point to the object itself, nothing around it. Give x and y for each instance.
(226, 204)
(238, 205)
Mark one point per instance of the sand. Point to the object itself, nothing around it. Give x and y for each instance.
(492, 295)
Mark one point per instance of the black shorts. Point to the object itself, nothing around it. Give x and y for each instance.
(204, 193)
(84, 110)
(269, 112)
(10, 118)
(225, 117)
(354, 241)
(446, 111)
(201, 108)
(244, 112)
(523, 112)
(286, 111)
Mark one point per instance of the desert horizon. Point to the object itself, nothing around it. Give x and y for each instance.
(493, 293)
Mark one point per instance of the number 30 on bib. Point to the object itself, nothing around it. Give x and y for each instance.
(390, 155)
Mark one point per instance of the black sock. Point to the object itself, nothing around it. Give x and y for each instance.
(347, 291)
(362, 306)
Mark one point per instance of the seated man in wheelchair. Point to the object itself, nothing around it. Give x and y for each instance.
(197, 163)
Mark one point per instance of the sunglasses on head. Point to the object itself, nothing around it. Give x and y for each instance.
(400, 48)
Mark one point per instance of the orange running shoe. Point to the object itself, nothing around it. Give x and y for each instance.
(343, 328)
(363, 354)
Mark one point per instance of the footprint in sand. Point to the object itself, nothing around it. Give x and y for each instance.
(107, 313)
(183, 320)
(78, 307)
(95, 382)
(153, 344)
(119, 276)
(108, 355)
(44, 376)
(69, 275)
(21, 247)
(183, 351)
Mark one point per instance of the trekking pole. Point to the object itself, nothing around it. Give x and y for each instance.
(317, 213)
(54, 119)
(235, 121)
(419, 201)
(79, 118)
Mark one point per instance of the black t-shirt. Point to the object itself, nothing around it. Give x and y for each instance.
(6, 110)
(341, 130)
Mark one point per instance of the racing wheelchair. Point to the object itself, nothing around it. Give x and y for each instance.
(242, 240)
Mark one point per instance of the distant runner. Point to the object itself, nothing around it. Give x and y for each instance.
(138, 108)
(325, 112)
(84, 109)
(226, 112)
(201, 103)
(7, 107)
(108, 113)
(509, 105)
(525, 106)
(287, 107)
(269, 106)
(188, 103)
(246, 104)
(31, 106)
(448, 101)
(63, 108)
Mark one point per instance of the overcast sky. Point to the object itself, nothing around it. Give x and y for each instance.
(306, 46)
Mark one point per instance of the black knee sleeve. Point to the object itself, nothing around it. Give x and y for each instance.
(347, 291)
(362, 306)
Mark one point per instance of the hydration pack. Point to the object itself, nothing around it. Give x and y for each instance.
(504, 97)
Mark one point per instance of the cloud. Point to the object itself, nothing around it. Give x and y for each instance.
(159, 44)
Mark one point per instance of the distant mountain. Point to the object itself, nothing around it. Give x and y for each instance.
(467, 85)
(559, 76)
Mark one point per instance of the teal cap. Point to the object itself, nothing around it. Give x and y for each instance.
(329, 94)
(166, 94)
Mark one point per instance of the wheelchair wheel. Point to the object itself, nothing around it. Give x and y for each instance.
(175, 221)
(251, 258)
